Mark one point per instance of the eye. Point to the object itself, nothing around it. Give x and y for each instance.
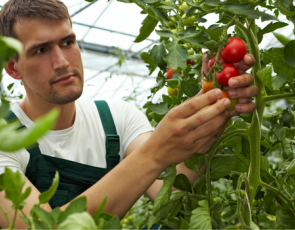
(68, 43)
(40, 51)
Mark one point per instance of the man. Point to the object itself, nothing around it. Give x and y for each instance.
(51, 71)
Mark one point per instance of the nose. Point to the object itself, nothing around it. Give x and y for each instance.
(59, 60)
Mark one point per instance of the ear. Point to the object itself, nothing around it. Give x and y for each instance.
(11, 69)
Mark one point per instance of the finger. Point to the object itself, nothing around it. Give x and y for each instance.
(243, 80)
(245, 108)
(205, 67)
(208, 114)
(246, 92)
(247, 62)
(244, 100)
(192, 106)
(207, 130)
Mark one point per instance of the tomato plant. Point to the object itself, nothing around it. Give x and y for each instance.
(255, 154)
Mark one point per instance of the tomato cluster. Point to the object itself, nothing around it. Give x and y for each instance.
(233, 52)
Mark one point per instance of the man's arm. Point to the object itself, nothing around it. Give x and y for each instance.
(181, 133)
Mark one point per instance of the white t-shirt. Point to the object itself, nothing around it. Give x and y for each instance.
(84, 141)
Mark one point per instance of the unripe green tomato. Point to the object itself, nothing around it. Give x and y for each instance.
(124, 225)
(130, 218)
(185, 45)
(190, 21)
(174, 31)
(172, 91)
(242, 194)
(191, 52)
(124, 221)
(183, 6)
(233, 102)
(167, 2)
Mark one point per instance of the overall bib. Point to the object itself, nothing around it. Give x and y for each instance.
(75, 177)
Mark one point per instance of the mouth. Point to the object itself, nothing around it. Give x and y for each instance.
(65, 79)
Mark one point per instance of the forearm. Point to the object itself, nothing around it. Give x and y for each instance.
(124, 184)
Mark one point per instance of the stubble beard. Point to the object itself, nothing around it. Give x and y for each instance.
(62, 98)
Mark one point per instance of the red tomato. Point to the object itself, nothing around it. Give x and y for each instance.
(234, 51)
(211, 61)
(226, 73)
(207, 85)
(170, 73)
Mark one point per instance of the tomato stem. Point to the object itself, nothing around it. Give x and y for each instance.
(278, 97)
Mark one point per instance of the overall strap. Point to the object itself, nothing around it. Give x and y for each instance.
(112, 139)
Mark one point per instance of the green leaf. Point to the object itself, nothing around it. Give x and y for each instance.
(173, 83)
(162, 16)
(200, 40)
(167, 99)
(81, 220)
(148, 60)
(177, 56)
(181, 182)
(283, 6)
(55, 214)
(201, 218)
(4, 108)
(13, 44)
(279, 64)
(281, 38)
(278, 81)
(44, 197)
(100, 208)
(189, 89)
(160, 109)
(191, 32)
(11, 140)
(285, 217)
(264, 164)
(244, 10)
(287, 148)
(158, 52)
(165, 192)
(76, 206)
(148, 26)
(113, 223)
(265, 76)
(13, 183)
(195, 163)
(291, 168)
(164, 34)
(272, 27)
(43, 215)
(289, 53)
(222, 166)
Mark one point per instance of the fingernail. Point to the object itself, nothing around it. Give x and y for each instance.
(218, 93)
(232, 92)
(234, 82)
(249, 58)
(226, 102)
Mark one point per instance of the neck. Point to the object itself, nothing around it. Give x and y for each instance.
(67, 112)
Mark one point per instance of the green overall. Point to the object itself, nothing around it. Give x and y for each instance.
(75, 177)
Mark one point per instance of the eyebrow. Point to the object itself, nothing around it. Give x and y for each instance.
(36, 46)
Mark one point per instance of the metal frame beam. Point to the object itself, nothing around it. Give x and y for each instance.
(83, 8)
(112, 31)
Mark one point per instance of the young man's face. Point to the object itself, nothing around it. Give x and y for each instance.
(50, 66)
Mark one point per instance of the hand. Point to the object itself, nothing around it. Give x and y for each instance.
(241, 86)
(185, 129)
